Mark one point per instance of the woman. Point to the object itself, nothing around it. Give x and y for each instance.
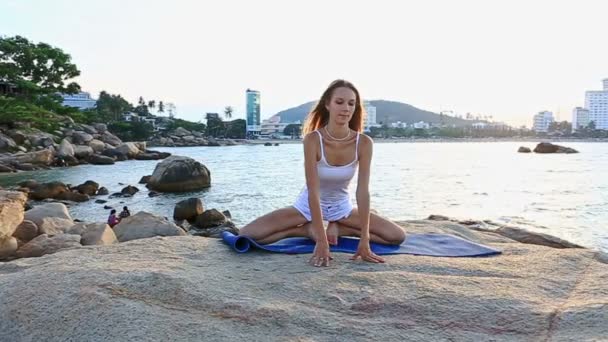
(333, 148)
(112, 219)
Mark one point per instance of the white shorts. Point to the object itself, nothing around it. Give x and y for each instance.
(330, 212)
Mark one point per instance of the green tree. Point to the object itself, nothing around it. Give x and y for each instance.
(293, 130)
(215, 127)
(37, 70)
(161, 107)
(152, 104)
(111, 107)
(228, 112)
(236, 129)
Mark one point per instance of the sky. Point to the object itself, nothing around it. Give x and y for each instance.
(508, 59)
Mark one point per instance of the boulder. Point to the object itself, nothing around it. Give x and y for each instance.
(216, 232)
(141, 145)
(41, 139)
(110, 138)
(188, 209)
(179, 174)
(551, 148)
(144, 225)
(18, 137)
(65, 149)
(180, 132)
(26, 231)
(43, 244)
(48, 190)
(525, 236)
(196, 289)
(145, 179)
(147, 156)
(43, 157)
(94, 233)
(97, 145)
(30, 183)
(11, 211)
(8, 246)
(129, 149)
(81, 138)
(103, 191)
(83, 151)
(115, 154)
(88, 188)
(7, 144)
(88, 129)
(97, 159)
(210, 218)
(73, 196)
(6, 168)
(39, 212)
(101, 128)
(54, 225)
(523, 149)
(129, 190)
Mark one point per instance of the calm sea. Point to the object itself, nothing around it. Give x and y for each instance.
(558, 194)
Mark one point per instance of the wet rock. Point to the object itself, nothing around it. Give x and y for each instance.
(188, 209)
(524, 149)
(145, 179)
(179, 174)
(210, 218)
(551, 148)
(97, 159)
(129, 190)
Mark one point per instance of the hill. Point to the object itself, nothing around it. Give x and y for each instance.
(389, 111)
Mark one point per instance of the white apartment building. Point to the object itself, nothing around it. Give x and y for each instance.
(596, 101)
(542, 120)
(580, 118)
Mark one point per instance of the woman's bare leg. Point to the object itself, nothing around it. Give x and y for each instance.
(381, 230)
(276, 225)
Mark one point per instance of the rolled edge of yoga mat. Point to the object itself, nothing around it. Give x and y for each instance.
(240, 244)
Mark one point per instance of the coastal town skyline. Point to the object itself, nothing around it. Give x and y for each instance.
(202, 56)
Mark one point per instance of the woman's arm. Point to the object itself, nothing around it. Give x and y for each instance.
(364, 251)
(363, 201)
(311, 146)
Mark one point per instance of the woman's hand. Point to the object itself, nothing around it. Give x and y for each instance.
(321, 255)
(365, 252)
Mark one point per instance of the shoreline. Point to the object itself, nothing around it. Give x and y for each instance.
(424, 140)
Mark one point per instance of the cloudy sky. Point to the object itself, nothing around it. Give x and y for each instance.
(508, 59)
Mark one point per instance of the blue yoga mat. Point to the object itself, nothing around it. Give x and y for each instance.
(441, 245)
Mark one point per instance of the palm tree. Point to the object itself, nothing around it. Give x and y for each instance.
(228, 112)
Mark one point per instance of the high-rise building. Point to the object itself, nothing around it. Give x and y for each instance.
(580, 118)
(542, 120)
(253, 113)
(370, 117)
(596, 101)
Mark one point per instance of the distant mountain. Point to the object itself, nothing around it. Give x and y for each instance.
(390, 111)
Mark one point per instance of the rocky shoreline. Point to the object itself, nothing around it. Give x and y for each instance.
(148, 280)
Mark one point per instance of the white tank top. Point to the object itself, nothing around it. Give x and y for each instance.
(334, 180)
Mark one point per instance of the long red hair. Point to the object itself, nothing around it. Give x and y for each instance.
(319, 116)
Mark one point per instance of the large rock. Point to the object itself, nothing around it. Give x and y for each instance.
(210, 218)
(39, 212)
(523, 149)
(196, 289)
(97, 159)
(54, 225)
(180, 132)
(129, 190)
(94, 233)
(179, 174)
(188, 209)
(101, 128)
(65, 149)
(551, 148)
(73, 196)
(48, 190)
(83, 151)
(43, 244)
(41, 139)
(42, 157)
(18, 137)
(81, 138)
(7, 144)
(89, 188)
(525, 236)
(110, 138)
(8, 246)
(97, 145)
(129, 148)
(11, 211)
(144, 225)
(26, 231)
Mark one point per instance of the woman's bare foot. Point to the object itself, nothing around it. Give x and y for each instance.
(332, 233)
